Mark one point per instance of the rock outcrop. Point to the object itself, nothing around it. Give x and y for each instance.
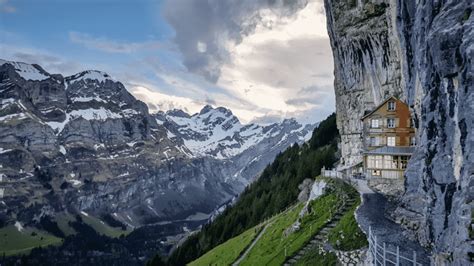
(421, 52)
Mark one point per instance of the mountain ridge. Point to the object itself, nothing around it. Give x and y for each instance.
(85, 143)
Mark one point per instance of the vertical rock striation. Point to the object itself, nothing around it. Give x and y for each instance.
(421, 52)
(366, 66)
(437, 40)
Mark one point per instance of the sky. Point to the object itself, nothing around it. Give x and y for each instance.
(265, 60)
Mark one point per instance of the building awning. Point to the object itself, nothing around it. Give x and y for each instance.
(389, 150)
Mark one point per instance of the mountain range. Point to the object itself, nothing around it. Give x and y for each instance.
(83, 144)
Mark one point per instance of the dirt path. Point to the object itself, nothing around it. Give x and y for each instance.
(249, 248)
(371, 213)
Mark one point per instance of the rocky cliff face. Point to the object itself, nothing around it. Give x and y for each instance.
(422, 53)
(366, 66)
(84, 143)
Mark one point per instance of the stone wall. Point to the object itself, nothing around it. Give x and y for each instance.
(391, 187)
(353, 257)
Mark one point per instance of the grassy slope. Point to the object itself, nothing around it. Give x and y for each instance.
(228, 252)
(99, 226)
(63, 223)
(103, 228)
(270, 249)
(13, 242)
(347, 234)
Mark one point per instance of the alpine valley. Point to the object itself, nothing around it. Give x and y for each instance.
(82, 148)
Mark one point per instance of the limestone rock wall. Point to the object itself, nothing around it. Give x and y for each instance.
(366, 66)
(437, 39)
(421, 52)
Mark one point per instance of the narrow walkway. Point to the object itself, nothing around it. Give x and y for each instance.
(371, 213)
(249, 248)
(320, 238)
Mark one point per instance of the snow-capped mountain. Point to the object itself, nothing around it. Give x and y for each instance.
(218, 133)
(84, 143)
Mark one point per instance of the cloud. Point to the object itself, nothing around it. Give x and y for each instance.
(6, 7)
(50, 62)
(312, 96)
(273, 57)
(264, 59)
(111, 46)
(213, 24)
(158, 101)
(286, 67)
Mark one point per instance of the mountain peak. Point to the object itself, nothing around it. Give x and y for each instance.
(27, 71)
(90, 75)
(177, 113)
(289, 121)
(206, 109)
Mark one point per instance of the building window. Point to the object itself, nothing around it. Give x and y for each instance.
(391, 141)
(374, 123)
(374, 161)
(378, 161)
(403, 162)
(390, 162)
(375, 141)
(391, 122)
(412, 141)
(376, 172)
(370, 161)
(391, 106)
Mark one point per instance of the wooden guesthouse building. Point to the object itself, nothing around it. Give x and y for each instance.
(389, 139)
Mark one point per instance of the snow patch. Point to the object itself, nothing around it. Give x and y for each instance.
(18, 116)
(62, 149)
(26, 71)
(19, 227)
(90, 75)
(75, 182)
(87, 99)
(2, 150)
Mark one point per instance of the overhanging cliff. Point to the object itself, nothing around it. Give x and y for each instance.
(421, 52)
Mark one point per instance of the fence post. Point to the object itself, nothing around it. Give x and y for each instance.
(398, 256)
(414, 257)
(375, 253)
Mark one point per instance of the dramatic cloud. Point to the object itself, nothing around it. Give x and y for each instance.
(111, 46)
(286, 69)
(266, 60)
(273, 57)
(204, 28)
